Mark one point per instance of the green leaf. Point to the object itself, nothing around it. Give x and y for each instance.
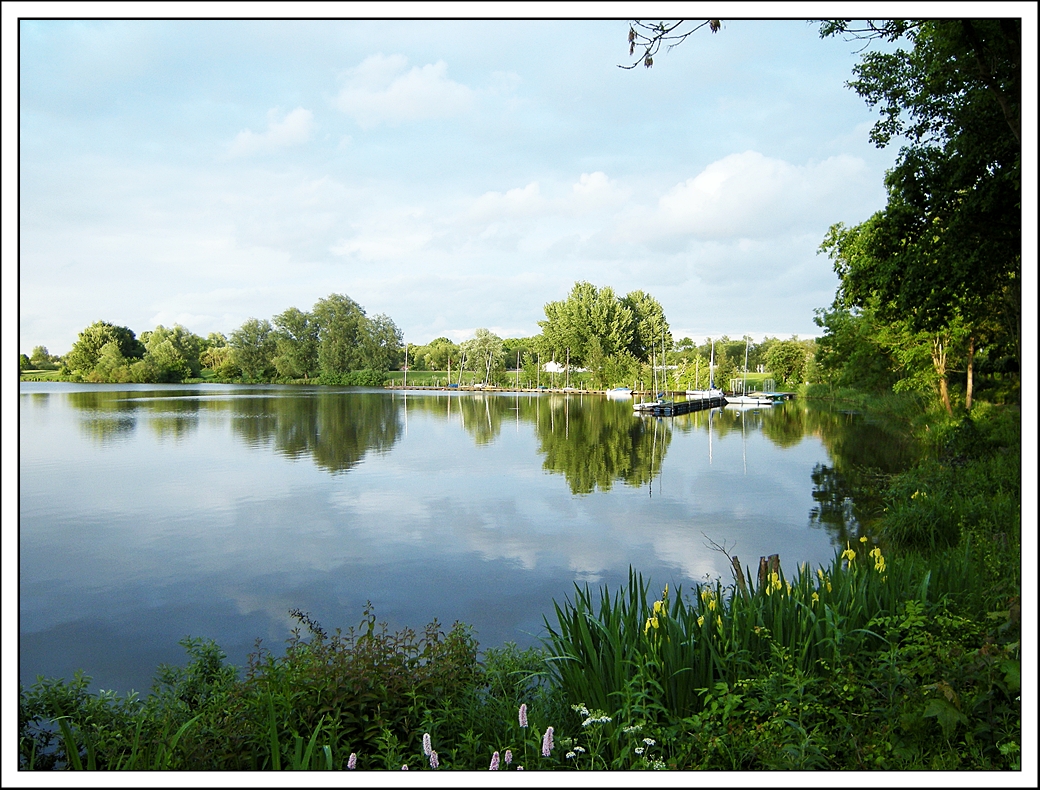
(946, 714)
(1012, 674)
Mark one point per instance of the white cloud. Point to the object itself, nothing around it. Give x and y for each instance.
(594, 191)
(387, 236)
(751, 195)
(591, 183)
(294, 129)
(381, 246)
(380, 90)
(520, 202)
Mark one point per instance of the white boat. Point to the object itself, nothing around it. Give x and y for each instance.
(649, 405)
(714, 392)
(619, 393)
(750, 400)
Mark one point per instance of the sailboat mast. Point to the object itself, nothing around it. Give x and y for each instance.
(747, 340)
(653, 367)
(711, 368)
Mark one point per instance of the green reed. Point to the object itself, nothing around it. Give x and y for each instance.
(615, 651)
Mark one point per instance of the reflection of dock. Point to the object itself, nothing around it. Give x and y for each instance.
(675, 408)
(761, 398)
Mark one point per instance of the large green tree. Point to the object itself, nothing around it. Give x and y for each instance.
(608, 334)
(86, 351)
(437, 353)
(382, 344)
(849, 353)
(174, 352)
(296, 344)
(253, 348)
(485, 352)
(946, 249)
(650, 330)
(341, 334)
(111, 365)
(786, 361)
(588, 312)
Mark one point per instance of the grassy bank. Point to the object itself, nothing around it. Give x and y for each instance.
(899, 654)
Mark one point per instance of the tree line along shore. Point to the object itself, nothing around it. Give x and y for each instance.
(593, 337)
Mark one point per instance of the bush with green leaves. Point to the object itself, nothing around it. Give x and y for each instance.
(354, 378)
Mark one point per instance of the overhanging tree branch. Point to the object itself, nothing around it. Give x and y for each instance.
(649, 36)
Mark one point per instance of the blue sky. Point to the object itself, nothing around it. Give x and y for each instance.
(450, 174)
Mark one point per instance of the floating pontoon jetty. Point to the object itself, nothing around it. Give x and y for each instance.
(669, 408)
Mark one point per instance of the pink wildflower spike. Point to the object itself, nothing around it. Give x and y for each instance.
(494, 762)
(434, 762)
(508, 756)
(352, 761)
(547, 742)
(523, 715)
(426, 747)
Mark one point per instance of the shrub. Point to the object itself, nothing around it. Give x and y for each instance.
(355, 378)
(357, 688)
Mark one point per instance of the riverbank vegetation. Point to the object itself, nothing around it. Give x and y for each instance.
(335, 343)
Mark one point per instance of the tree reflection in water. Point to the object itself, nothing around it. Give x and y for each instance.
(590, 440)
(594, 446)
(864, 454)
(334, 427)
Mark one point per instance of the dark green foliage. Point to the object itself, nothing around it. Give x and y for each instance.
(356, 689)
(944, 256)
(888, 668)
(848, 352)
(970, 488)
(62, 725)
(355, 378)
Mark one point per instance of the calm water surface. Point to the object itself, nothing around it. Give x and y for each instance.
(152, 512)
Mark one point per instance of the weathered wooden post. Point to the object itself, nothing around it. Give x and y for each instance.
(767, 566)
(741, 582)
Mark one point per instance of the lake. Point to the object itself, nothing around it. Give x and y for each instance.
(152, 512)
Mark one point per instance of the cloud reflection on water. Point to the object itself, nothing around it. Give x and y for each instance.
(267, 498)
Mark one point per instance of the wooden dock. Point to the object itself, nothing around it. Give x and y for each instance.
(675, 408)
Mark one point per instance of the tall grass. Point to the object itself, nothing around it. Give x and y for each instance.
(603, 647)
